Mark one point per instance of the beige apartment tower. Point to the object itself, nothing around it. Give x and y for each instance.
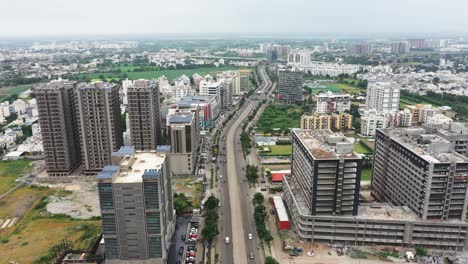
(99, 124)
(143, 114)
(55, 102)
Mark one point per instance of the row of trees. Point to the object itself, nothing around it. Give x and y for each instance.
(210, 230)
(261, 216)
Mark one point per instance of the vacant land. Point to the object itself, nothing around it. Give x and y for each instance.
(279, 116)
(5, 92)
(170, 74)
(362, 148)
(366, 174)
(10, 170)
(345, 88)
(17, 203)
(278, 150)
(37, 231)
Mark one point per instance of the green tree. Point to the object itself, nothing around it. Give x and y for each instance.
(420, 251)
(209, 232)
(258, 198)
(271, 260)
(211, 203)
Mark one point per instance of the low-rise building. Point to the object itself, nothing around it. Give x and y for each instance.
(330, 102)
(335, 122)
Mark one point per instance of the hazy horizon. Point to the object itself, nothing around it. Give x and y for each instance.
(28, 18)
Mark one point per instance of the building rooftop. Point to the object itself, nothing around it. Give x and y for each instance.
(133, 167)
(325, 144)
(180, 118)
(385, 211)
(141, 165)
(330, 94)
(431, 147)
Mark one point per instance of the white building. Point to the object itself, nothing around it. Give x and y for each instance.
(371, 120)
(4, 111)
(321, 68)
(19, 106)
(330, 102)
(439, 121)
(234, 78)
(299, 56)
(210, 88)
(383, 96)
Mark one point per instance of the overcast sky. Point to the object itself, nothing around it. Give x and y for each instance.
(110, 17)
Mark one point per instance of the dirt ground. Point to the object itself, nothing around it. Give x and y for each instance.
(81, 200)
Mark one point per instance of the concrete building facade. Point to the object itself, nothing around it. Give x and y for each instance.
(325, 172)
(426, 175)
(57, 119)
(383, 96)
(290, 85)
(183, 139)
(335, 122)
(138, 216)
(144, 115)
(99, 124)
(330, 102)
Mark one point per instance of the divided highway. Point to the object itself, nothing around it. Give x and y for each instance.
(237, 217)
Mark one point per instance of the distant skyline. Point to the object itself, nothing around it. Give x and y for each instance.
(138, 17)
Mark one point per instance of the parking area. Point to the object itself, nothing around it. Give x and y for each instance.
(185, 243)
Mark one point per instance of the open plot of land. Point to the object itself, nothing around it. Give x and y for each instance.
(190, 187)
(170, 74)
(17, 203)
(362, 148)
(279, 116)
(37, 231)
(278, 150)
(345, 88)
(39, 235)
(366, 174)
(5, 92)
(10, 170)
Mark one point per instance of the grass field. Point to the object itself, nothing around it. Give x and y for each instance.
(9, 171)
(5, 92)
(170, 74)
(278, 150)
(345, 88)
(279, 116)
(37, 232)
(361, 148)
(366, 174)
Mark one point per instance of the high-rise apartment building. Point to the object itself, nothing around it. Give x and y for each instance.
(383, 96)
(226, 95)
(417, 43)
(244, 79)
(330, 102)
(182, 133)
(143, 114)
(360, 49)
(56, 106)
(234, 78)
(290, 85)
(400, 47)
(325, 172)
(99, 124)
(420, 171)
(138, 216)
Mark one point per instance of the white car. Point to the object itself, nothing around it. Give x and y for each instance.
(220, 176)
(250, 236)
